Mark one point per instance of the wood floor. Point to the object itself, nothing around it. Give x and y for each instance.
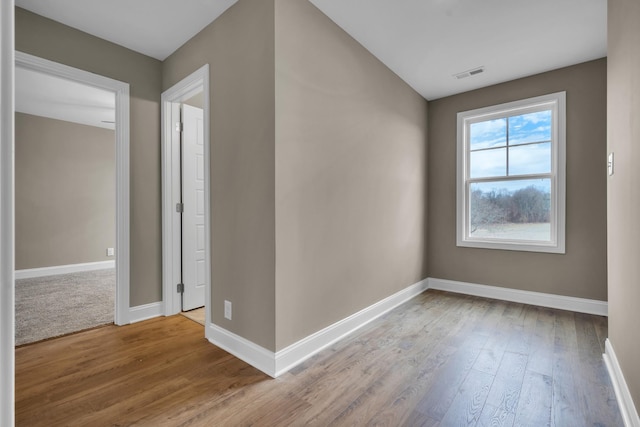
(197, 315)
(439, 360)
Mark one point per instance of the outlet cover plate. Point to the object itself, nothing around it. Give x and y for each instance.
(227, 309)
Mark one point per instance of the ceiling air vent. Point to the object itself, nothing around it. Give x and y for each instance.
(469, 73)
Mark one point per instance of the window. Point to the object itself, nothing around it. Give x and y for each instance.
(511, 175)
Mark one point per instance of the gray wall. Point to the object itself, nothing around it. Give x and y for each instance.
(51, 40)
(65, 192)
(308, 150)
(350, 175)
(239, 47)
(582, 271)
(624, 187)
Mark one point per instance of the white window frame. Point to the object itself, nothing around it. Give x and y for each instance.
(556, 102)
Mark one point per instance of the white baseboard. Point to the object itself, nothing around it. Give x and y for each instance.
(276, 364)
(255, 355)
(623, 395)
(64, 269)
(580, 305)
(145, 312)
(298, 352)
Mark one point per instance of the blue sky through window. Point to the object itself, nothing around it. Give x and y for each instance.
(492, 133)
(496, 152)
(532, 127)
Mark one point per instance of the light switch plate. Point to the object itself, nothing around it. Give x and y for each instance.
(610, 164)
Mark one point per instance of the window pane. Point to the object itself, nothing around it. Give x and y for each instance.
(529, 159)
(491, 133)
(511, 210)
(487, 163)
(532, 127)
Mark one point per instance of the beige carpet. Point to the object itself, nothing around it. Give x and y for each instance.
(196, 315)
(51, 306)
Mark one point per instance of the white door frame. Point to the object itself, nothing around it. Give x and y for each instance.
(121, 91)
(171, 238)
(7, 264)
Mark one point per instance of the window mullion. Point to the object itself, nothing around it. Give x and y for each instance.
(507, 150)
(524, 144)
(511, 178)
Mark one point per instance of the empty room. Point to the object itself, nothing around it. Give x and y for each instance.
(65, 207)
(393, 213)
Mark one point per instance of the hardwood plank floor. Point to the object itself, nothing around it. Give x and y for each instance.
(441, 359)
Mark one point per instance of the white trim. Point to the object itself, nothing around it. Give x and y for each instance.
(556, 102)
(623, 395)
(121, 91)
(296, 353)
(255, 355)
(580, 305)
(29, 273)
(276, 364)
(171, 262)
(7, 250)
(145, 312)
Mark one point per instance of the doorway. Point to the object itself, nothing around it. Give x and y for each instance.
(185, 190)
(120, 92)
(65, 206)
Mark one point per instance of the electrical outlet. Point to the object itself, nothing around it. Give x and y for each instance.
(227, 309)
(111, 252)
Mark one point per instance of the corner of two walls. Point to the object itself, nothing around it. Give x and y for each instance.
(239, 48)
(352, 180)
(318, 171)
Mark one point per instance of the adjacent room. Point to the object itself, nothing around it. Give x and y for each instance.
(65, 206)
(400, 213)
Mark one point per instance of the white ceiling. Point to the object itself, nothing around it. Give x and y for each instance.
(425, 42)
(57, 98)
(156, 28)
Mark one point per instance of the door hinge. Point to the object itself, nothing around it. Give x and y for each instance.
(179, 126)
(179, 207)
(180, 288)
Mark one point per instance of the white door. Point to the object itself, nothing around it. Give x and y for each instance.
(193, 215)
